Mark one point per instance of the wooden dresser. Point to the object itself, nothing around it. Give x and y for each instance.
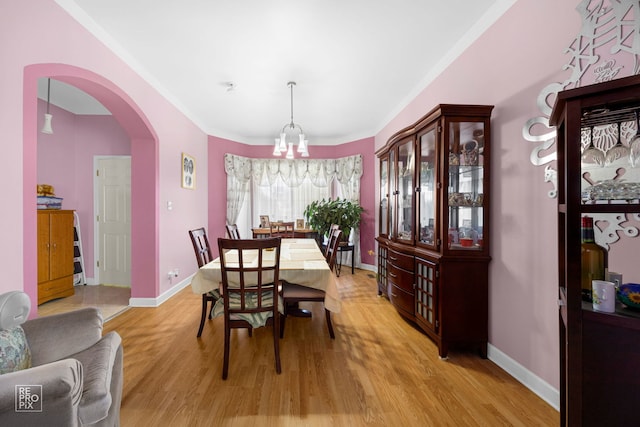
(55, 254)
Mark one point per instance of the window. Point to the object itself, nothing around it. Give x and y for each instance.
(282, 189)
(282, 202)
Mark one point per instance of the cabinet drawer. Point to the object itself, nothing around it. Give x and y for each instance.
(401, 299)
(53, 289)
(400, 260)
(400, 278)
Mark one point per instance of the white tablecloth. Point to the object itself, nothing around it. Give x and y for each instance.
(301, 262)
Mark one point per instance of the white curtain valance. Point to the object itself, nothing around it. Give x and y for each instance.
(293, 172)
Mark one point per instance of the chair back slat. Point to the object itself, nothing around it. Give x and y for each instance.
(332, 228)
(250, 274)
(201, 246)
(283, 229)
(332, 247)
(232, 231)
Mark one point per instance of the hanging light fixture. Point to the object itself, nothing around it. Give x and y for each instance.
(281, 144)
(46, 128)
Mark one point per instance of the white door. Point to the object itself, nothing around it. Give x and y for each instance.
(113, 220)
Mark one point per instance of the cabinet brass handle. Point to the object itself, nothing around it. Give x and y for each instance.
(392, 258)
(394, 295)
(393, 275)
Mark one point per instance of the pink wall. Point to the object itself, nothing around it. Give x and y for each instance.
(53, 44)
(65, 160)
(507, 67)
(218, 182)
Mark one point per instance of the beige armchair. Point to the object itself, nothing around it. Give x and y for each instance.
(77, 371)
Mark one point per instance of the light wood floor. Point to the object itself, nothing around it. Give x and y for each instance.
(111, 300)
(379, 371)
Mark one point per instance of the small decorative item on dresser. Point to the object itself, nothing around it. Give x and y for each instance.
(629, 295)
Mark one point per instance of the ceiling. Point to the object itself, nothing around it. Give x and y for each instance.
(226, 64)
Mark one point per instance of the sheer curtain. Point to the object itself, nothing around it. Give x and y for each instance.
(238, 171)
(283, 188)
(348, 174)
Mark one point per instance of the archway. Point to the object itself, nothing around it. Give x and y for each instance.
(144, 173)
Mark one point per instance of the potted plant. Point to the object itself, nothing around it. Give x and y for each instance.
(320, 214)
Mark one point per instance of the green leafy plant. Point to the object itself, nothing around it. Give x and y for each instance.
(320, 214)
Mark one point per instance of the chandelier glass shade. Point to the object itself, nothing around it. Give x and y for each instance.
(293, 129)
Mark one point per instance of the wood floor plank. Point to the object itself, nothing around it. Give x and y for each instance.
(379, 371)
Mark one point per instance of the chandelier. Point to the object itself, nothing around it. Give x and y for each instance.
(282, 145)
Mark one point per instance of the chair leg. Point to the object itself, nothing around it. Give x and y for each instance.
(204, 314)
(276, 344)
(227, 344)
(329, 325)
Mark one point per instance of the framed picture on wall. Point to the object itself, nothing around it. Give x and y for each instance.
(188, 171)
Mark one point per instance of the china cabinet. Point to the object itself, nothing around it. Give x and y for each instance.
(55, 254)
(433, 240)
(599, 352)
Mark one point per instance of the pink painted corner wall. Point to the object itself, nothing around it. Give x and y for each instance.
(52, 44)
(218, 182)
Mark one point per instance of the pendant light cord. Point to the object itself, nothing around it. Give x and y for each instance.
(49, 93)
(292, 125)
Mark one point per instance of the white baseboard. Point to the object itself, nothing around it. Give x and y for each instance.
(534, 383)
(155, 302)
(368, 267)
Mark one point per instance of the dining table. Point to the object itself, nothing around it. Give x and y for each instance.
(301, 263)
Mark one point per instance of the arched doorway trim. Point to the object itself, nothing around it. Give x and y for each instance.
(144, 176)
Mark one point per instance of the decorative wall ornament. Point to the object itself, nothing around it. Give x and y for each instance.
(606, 235)
(607, 44)
(188, 171)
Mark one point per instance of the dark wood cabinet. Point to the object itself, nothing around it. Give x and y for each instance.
(433, 235)
(599, 352)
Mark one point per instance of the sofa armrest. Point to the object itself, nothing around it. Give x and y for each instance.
(61, 393)
(57, 336)
(98, 363)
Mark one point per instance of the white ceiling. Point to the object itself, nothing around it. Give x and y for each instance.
(356, 63)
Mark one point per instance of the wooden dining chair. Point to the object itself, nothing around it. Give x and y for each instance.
(250, 288)
(292, 293)
(232, 231)
(283, 229)
(203, 256)
(330, 242)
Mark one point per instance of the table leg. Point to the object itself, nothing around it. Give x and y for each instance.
(293, 309)
(353, 258)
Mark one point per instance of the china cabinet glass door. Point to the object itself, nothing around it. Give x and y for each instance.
(406, 165)
(427, 188)
(384, 197)
(392, 194)
(465, 187)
